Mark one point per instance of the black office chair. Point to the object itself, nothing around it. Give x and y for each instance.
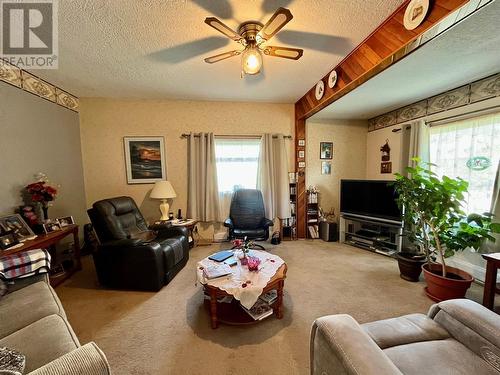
(131, 255)
(247, 217)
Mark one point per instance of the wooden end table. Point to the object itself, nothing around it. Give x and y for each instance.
(190, 225)
(43, 241)
(490, 283)
(232, 313)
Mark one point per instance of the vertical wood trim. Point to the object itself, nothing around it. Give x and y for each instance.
(300, 209)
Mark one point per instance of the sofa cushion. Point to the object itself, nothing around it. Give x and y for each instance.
(42, 341)
(404, 330)
(27, 305)
(443, 357)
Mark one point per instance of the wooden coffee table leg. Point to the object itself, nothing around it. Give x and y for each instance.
(490, 285)
(279, 303)
(213, 308)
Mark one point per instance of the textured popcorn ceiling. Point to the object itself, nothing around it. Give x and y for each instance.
(155, 49)
(467, 52)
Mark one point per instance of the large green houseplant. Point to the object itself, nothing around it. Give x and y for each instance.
(435, 221)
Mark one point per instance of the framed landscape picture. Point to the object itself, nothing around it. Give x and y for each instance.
(326, 150)
(144, 159)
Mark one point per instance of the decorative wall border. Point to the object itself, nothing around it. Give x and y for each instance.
(35, 85)
(474, 92)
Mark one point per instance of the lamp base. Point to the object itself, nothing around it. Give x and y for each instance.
(164, 208)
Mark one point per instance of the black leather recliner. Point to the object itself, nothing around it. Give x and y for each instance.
(131, 255)
(247, 216)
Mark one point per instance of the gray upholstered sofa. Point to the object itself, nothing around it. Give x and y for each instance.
(456, 337)
(33, 322)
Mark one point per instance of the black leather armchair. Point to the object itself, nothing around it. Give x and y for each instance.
(131, 255)
(247, 216)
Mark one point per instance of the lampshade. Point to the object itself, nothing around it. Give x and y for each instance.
(163, 190)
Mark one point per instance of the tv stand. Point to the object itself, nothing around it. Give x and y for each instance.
(373, 234)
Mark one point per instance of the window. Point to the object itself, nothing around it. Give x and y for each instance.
(469, 149)
(237, 163)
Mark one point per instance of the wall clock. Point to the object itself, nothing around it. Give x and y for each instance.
(332, 79)
(320, 90)
(415, 13)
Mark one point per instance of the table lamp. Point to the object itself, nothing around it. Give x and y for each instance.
(163, 190)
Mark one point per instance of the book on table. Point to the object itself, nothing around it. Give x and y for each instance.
(221, 255)
(270, 297)
(259, 310)
(217, 270)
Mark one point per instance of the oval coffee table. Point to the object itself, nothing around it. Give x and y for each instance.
(232, 313)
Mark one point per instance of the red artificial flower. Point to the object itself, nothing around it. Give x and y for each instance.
(237, 243)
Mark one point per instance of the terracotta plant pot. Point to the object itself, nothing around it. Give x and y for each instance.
(440, 288)
(410, 266)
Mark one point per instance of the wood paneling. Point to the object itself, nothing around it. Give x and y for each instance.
(385, 46)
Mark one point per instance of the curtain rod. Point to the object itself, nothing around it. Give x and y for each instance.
(464, 116)
(185, 135)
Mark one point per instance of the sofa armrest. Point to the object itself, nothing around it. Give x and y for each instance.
(20, 283)
(267, 223)
(340, 346)
(459, 316)
(228, 223)
(168, 232)
(86, 360)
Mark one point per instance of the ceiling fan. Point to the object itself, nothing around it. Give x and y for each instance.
(253, 35)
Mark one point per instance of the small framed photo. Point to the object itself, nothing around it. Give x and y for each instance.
(145, 159)
(302, 154)
(302, 142)
(8, 240)
(51, 227)
(302, 164)
(326, 150)
(14, 223)
(326, 167)
(386, 167)
(66, 221)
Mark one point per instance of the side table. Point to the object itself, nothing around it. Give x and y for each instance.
(44, 241)
(189, 224)
(490, 283)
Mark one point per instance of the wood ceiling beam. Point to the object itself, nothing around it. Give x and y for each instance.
(381, 49)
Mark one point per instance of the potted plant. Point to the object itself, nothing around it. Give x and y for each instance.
(432, 210)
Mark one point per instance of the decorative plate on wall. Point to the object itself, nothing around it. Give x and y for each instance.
(415, 13)
(332, 79)
(320, 90)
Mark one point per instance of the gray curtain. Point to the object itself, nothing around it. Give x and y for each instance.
(203, 194)
(272, 177)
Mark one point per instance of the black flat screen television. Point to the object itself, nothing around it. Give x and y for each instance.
(369, 198)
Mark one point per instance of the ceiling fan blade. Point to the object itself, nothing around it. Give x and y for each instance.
(279, 19)
(222, 28)
(285, 52)
(222, 56)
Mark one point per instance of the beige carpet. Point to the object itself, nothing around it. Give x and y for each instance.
(169, 332)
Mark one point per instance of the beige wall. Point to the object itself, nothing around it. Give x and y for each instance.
(375, 140)
(349, 157)
(104, 123)
(39, 136)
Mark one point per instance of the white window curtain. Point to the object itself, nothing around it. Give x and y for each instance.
(237, 164)
(272, 176)
(203, 194)
(469, 149)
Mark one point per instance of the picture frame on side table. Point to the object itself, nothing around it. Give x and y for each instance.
(15, 223)
(8, 240)
(52, 226)
(326, 150)
(66, 221)
(145, 159)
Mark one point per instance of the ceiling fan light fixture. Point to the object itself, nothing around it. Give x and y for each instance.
(251, 60)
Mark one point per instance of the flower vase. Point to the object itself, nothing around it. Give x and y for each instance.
(244, 260)
(45, 210)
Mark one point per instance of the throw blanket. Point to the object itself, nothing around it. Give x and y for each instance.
(25, 264)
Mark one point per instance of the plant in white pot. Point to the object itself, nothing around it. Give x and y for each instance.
(434, 207)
